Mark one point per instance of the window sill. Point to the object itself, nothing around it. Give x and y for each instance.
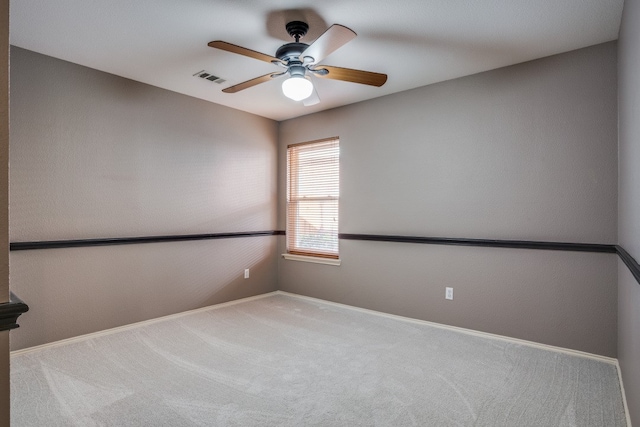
(317, 260)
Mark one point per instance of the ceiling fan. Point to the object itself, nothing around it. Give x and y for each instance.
(301, 60)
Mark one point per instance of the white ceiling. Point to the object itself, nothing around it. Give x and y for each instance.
(416, 42)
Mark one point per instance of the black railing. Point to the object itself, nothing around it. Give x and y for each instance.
(10, 311)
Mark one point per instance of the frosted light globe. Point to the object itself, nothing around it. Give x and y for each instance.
(297, 88)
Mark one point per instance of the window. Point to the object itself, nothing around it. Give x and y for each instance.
(313, 189)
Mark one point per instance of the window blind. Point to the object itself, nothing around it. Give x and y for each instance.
(313, 190)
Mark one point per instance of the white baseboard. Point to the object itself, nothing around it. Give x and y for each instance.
(624, 395)
(579, 353)
(137, 325)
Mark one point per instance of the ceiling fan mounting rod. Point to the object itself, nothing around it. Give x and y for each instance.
(297, 29)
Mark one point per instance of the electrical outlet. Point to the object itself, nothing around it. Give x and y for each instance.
(246, 273)
(448, 294)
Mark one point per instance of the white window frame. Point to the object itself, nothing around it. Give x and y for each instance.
(294, 203)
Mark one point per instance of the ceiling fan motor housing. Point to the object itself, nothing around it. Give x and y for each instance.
(291, 51)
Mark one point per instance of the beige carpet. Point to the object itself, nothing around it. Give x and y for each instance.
(286, 361)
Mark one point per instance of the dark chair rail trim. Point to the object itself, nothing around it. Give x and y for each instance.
(10, 311)
(79, 243)
(630, 262)
(514, 244)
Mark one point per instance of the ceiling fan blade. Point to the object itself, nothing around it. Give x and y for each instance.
(251, 83)
(219, 44)
(331, 40)
(350, 75)
(313, 99)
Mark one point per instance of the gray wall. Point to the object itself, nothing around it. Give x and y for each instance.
(629, 202)
(4, 205)
(527, 152)
(94, 155)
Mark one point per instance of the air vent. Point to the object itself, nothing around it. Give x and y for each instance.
(208, 76)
